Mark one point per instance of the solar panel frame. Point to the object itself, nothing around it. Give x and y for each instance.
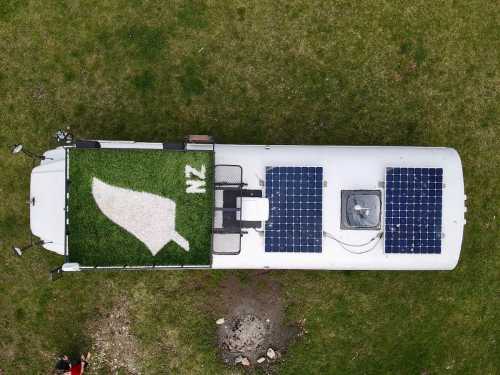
(296, 209)
(413, 210)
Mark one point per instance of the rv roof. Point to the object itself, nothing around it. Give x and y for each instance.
(250, 206)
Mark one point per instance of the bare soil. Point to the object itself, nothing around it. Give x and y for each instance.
(253, 313)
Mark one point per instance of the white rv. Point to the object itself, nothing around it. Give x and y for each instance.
(249, 206)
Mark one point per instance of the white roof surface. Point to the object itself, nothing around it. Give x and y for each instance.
(346, 168)
(47, 207)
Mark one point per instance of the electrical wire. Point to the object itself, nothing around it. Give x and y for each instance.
(343, 244)
(329, 235)
(363, 251)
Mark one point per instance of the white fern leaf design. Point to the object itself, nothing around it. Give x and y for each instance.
(149, 217)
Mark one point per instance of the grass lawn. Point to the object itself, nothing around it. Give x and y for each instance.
(298, 72)
(94, 240)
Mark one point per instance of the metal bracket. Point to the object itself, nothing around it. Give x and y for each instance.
(56, 273)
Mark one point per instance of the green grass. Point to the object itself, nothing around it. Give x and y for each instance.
(300, 72)
(94, 240)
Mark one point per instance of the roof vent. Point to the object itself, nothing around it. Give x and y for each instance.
(360, 209)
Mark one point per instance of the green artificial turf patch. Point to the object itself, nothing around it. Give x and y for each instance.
(94, 240)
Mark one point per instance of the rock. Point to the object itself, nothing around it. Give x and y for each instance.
(238, 359)
(271, 354)
(245, 362)
(219, 321)
(261, 359)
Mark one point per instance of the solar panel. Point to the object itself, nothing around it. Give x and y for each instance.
(296, 205)
(413, 210)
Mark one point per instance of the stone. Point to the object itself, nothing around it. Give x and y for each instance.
(245, 362)
(271, 354)
(219, 321)
(238, 359)
(261, 359)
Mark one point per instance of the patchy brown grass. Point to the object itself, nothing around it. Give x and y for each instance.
(114, 346)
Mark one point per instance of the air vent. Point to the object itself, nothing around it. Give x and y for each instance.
(360, 209)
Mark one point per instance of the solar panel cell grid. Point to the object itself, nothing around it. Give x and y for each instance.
(413, 210)
(295, 197)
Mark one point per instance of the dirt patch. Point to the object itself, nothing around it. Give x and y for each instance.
(251, 325)
(115, 348)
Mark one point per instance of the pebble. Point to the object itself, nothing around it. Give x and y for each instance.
(261, 359)
(219, 321)
(271, 354)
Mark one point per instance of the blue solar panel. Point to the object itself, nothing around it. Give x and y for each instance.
(413, 210)
(296, 206)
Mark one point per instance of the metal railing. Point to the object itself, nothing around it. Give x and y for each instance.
(227, 240)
